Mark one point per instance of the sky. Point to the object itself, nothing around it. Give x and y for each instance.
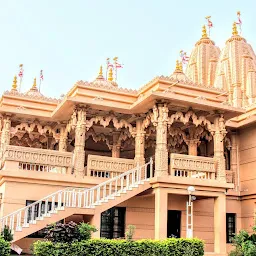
(69, 40)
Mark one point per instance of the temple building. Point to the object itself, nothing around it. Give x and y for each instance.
(177, 157)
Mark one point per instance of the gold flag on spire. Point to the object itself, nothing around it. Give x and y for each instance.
(110, 74)
(234, 30)
(14, 83)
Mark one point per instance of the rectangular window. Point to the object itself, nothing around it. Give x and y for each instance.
(230, 226)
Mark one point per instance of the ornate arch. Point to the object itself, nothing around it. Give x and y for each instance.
(96, 138)
(104, 121)
(184, 118)
(30, 128)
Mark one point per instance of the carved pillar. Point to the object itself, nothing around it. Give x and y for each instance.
(192, 146)
(160, 119)
(219, 134)
(63, 138)
(233, 157)
(139, 143)
(79, 153)
(116, 145)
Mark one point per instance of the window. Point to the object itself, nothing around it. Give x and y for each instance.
(113, 223)
(231, 226)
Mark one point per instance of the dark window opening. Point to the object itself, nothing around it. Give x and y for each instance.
(113, 223)
(230, 226)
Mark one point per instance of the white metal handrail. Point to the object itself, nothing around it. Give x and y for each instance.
(77, 197)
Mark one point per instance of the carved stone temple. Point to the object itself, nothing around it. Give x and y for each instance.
(177, 157)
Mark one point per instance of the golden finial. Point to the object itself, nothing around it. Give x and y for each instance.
(181, 66)
(204, 32)
(110, 75)
(234, 32)
(34, 84)
(14, 83)
(101, 72)
(100, 75)
(178, 67)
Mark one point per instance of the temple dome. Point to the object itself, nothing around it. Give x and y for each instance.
(34, 92)
(178, 74)
(236, 70)
(203, 60)
(101, 81)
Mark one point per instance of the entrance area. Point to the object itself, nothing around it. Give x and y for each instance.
(173, 223)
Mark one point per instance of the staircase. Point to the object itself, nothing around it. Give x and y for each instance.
(69, 201)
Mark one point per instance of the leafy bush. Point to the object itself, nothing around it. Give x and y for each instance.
(68, 233)
(105, 247)
(7, 234)
(245, 244)
(130, 232)
(85, 231)
(5, 247)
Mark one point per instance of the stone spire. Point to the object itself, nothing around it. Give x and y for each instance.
(203, 60)
(236, 70)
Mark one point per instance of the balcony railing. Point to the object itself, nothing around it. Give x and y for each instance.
(34, 159)
(107, 167)
(193, 166)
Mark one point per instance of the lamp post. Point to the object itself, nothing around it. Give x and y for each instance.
(191, 198)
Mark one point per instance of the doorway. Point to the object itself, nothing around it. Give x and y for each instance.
(173, 223)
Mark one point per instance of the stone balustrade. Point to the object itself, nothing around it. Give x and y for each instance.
(107, 167)
(193, 166)
(35, 159)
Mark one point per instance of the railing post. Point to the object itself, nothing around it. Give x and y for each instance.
(151, 167)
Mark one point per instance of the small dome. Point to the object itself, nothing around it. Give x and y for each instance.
(34, 92)
(101, 81)
(179, 75)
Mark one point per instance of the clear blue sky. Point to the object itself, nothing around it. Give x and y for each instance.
(69, 40)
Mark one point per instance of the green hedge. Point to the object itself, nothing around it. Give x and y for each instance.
(105, 247)
(5, 247)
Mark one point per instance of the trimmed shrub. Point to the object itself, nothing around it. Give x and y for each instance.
(5, 247)
(69, 232)
(105, 247)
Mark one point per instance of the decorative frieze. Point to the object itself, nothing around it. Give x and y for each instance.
(38, 156)
(110, 164)
(193, 166)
